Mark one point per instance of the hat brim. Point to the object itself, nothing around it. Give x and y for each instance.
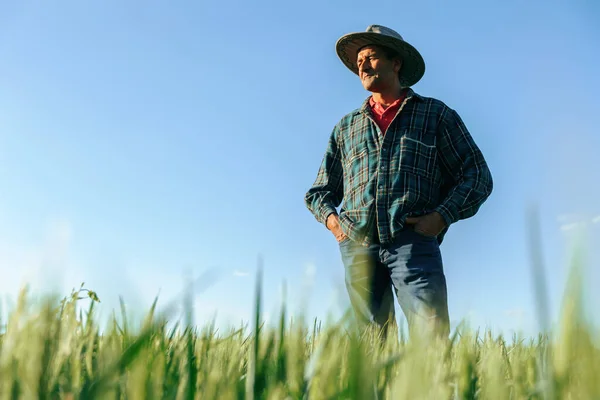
(413, 65)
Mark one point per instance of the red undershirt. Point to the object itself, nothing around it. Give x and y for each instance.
(384, 116)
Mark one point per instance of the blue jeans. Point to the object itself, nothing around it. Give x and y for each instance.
(412, 267)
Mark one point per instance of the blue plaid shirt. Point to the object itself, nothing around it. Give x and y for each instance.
(426, 161)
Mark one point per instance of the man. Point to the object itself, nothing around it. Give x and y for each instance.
(406, 168)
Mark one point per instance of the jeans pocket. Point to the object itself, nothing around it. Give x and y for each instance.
(345, 241)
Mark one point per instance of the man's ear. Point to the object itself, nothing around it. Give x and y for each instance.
(397, 65)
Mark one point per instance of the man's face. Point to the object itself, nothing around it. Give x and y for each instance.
(376, 71)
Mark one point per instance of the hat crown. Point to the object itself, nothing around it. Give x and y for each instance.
(383, 30)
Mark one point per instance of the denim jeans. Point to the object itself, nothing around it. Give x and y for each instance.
(412, 267)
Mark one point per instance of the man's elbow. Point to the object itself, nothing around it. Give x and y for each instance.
(485, 185)
(488, 182)
(312, 200)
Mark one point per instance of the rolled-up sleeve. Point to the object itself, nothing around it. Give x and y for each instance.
(464, 164)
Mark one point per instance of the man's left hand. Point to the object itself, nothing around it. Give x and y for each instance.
(429, 225)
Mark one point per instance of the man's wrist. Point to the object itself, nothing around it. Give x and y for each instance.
(325, 211)
(329, 216)
(441, 219)
(446, 214)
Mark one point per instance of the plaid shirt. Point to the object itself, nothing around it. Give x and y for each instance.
(426, 161)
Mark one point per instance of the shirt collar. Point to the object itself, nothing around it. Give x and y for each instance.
(378, 108)
(366, 105)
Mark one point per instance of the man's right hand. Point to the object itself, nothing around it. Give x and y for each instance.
(333, 224)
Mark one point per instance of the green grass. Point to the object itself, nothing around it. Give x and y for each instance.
(50, 350)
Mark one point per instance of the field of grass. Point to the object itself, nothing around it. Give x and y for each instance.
(49, 350)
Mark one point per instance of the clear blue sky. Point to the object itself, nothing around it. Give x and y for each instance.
(141, 140)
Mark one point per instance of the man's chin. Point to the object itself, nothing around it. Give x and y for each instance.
(371, 88)
(369, 85)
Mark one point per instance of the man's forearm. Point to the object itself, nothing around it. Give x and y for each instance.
(464, 200)
(320, 206)
(464, 166)
(327, 190)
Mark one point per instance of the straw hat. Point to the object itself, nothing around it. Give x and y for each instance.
(413, 66)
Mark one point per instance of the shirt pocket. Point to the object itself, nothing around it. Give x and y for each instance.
(417, 155)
